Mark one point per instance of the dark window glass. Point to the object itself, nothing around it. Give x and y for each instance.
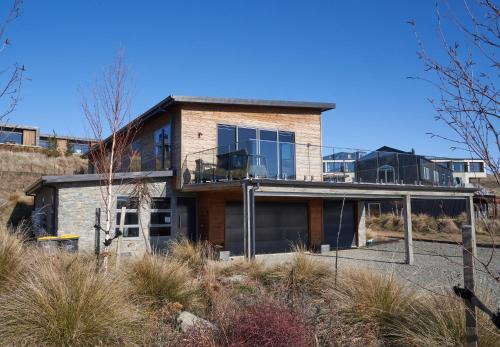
(130, 218)
(160, 218)
(124, 201)
(349, 167)
(226, 139)
(44, 143)
(162, 141)
(459, 167)
(161, 203)
(129, 231)
(247, 140)
(268, 162)
(11, 137)
(159, 231)
(286, 136)
(475, 167)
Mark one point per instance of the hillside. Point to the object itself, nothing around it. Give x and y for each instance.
(21, 166)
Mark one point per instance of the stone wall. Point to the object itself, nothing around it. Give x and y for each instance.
(77, 203)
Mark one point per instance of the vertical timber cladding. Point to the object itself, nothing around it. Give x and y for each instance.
(332, 211)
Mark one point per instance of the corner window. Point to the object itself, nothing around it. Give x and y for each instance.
(131, 224)
(161, 217)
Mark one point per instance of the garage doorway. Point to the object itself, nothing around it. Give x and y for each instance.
(278, 225)
(331, 221)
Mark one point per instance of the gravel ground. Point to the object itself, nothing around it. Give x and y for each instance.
(436, 265)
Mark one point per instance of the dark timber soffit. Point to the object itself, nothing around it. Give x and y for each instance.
(47, 180)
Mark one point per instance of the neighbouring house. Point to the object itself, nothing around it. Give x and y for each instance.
(340, 166)
(466, 172)
(244, 174)
(30, 136)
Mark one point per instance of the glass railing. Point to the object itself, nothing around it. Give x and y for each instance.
(305, 162)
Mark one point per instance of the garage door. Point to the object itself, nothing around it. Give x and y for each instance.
(277, 226)
(331, 221)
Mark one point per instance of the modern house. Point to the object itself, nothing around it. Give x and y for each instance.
(340, 166)
(244, 174)
(30, 136)
(466, 172)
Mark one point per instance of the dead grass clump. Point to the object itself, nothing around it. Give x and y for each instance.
(372, 296)
(438, 320)
(195, 255)
(12, 256)
(158, 280)
(64, 302)
(448, 226)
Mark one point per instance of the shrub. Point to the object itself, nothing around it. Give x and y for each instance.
(64, 302)
(160, 280)
(263, 324)
(12, 256)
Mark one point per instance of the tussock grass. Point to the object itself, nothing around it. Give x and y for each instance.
(195, 255)
(62, 301)
(159, 280)
(12, 257)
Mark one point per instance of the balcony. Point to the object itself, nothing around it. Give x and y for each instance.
(271, 160)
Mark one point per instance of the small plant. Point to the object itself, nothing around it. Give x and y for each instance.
(159, 280)
(52, 148)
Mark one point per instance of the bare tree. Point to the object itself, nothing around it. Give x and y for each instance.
(467, 78)
(107, 110)
(11, 76)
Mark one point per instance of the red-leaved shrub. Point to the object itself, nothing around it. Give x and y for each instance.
(264, 325)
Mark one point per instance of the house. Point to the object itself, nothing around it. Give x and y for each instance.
(30, 136)
(244, 174)
(340, 166)
(390, 165)
(466, 172)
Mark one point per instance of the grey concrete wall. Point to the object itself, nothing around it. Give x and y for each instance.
(76, 214)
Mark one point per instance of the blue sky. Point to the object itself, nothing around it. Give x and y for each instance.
(355, 53)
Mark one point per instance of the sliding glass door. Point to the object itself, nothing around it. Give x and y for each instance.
(287, 155)
(269, 152)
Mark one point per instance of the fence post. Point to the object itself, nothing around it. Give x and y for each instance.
(97, 237)
(469, 253)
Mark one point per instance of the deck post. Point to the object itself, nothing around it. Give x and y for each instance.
(361, 223)
(408, 229)
(469, 253)
(248, 221)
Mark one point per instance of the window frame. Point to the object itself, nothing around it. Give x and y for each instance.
(160, 210)
(126, 226)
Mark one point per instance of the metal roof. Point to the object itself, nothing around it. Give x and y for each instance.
(322, 106)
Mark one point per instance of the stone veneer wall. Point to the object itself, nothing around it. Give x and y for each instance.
(76, 214)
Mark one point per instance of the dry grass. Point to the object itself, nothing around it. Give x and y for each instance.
(62, 301)
(159, 280)
(12, 257)
(195, 255)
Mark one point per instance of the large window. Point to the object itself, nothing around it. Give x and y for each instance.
(271, 152)
(79, 148)
(161, 217)
(162, 141)
(334, 167)
(131, 224)
(135, 159)
(11, 137)
(459, 167)
(476, 167)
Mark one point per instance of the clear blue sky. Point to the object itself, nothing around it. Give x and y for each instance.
(355, 53)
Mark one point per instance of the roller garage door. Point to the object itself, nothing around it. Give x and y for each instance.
(331, 221)
(277, 226)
